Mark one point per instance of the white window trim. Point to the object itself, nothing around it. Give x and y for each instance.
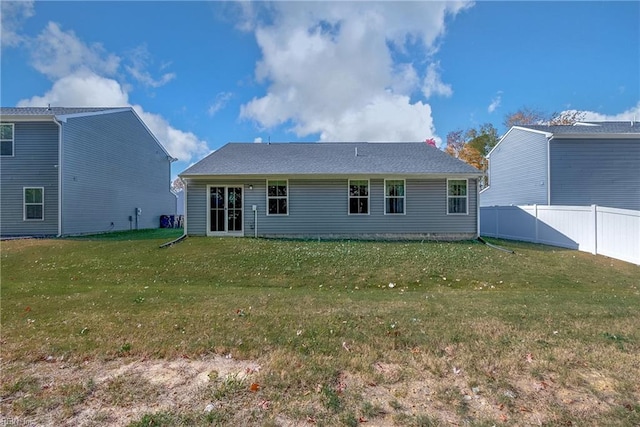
(466, 197)
(13, 140)
(349, 197)
(404, 198)
(24, 203)
(277, 197)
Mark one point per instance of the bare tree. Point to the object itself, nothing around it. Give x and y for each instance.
(568, 117)
(177, 185)
(525, 116)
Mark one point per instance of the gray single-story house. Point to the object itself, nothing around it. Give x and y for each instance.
(332, 190)
(67, 171)
(589, 163)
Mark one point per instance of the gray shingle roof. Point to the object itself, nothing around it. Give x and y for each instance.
(52, 111)
(587, 128)
(328, 159)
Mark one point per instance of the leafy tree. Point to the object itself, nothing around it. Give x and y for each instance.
(483, 139)
(472, 146)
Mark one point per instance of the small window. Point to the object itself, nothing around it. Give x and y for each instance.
(394, 196)
(6, 139)
(358, 197)
(34, 203)
(277, 197)
(457, 199)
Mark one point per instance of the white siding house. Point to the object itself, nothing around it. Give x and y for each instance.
(595, 163)
(332, 190)
(69, 171)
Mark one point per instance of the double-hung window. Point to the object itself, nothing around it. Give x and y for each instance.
(33, 203)
(358, 197)
(277, 197)
(6, 139)
(457, 196)
(394, 196)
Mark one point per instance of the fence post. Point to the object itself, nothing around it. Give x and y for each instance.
(594, 212)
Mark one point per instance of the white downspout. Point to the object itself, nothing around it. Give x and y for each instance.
(60, 192)
(184, 210)
(549, 170)
(255, 221)
(478, 207)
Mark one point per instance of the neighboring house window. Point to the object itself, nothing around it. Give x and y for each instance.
(277, 197)
(34, 203)
(358, 196)
(394, 196)
(6, 139)
(457, 199)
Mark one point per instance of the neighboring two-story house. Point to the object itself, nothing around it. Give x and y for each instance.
(68, 171)
(590, 163)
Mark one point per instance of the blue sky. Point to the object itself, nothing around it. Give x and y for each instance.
(202, 74)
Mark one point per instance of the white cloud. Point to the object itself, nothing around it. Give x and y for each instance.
(389, 118)
(632, 113)
(83, 77)
(257, 140)
(330, 68)
(495, 102)
(145, 78)
(85, 89)
(140, 59)
(180, 144)
(219, 103)
(81, 89)
(56, 54)
(12, 16)
(433, 85)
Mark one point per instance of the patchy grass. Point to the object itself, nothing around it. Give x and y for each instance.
(343, 332)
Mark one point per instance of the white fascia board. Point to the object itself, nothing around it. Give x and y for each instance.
(171, 158)
(547, 134)
(195, 177)
(598, 136)
(27, 118)
(64, 117)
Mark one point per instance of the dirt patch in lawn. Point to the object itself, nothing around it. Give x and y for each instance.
(221, 390)
(114, 393)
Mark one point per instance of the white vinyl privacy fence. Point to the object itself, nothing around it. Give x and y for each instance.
(599, 230)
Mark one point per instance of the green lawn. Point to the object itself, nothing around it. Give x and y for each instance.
(391, 333)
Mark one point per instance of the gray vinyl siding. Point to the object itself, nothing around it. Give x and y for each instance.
(196, 209)
(596, 172)
(319, 208)
(112, 165)
(34, 164)
(517, 170)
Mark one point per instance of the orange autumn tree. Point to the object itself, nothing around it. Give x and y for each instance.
(472, 146)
